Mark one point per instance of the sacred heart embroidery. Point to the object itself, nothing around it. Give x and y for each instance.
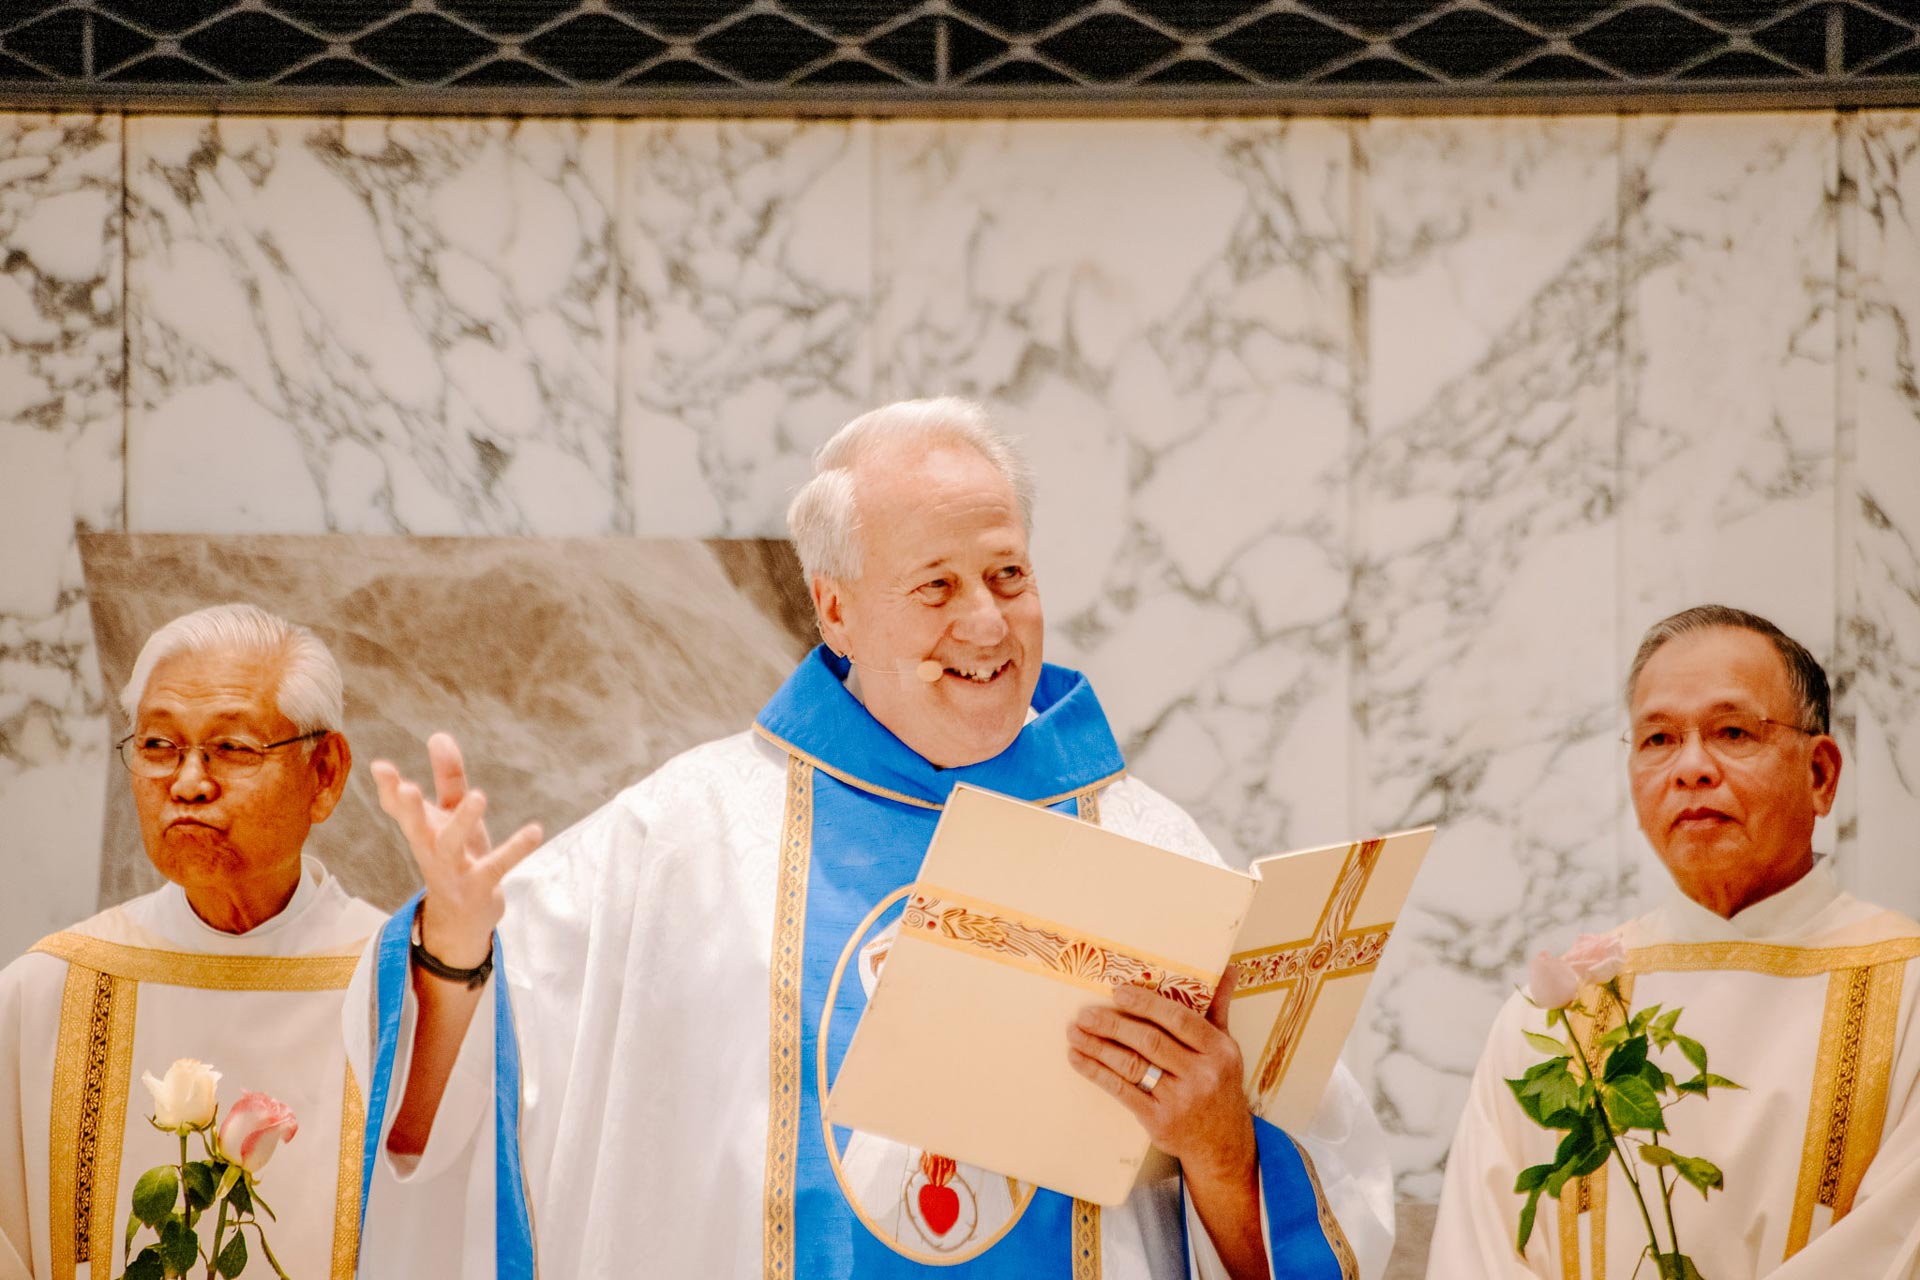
(939, 1202)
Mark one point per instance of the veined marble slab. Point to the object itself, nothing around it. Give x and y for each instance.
(566, 668)
(61, 452)
(372, 326)
(1482, 593)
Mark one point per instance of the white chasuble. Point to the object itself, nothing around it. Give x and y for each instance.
(88, 1010)
(685, 968)
(1807, 1000)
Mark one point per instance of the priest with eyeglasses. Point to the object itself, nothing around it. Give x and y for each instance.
(1803, 994)
(240, 962)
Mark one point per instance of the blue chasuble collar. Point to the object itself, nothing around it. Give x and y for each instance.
(1066, 748)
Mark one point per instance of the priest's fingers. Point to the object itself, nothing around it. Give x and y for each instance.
(511, 853)
(1123, 1062)
(449, 770)
(1143, 1038)
(1146, 1107)
(1223, 996)
(401, 801)
(1176, 1019)
(464, 837)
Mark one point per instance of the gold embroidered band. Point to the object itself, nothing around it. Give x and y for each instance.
(1849, 1104)
(88, 1114)
(1086, 1241)
(346, 1191)
(783, 1032)
(207, 972)
(1000, 934)
(1588, 1195)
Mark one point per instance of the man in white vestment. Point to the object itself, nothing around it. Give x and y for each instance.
(1800, 992)
(241, 961)
(652, 1071)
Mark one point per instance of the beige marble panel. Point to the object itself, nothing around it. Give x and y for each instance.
(567, 668)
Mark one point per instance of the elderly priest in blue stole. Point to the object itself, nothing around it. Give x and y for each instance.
(1800, 992)
(240, 962)
(627, 1078)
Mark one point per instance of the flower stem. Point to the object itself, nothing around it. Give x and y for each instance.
(219, 1229)
(1614, 1142)
(1666, 1194)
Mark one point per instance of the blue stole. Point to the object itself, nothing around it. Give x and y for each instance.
(874, 803)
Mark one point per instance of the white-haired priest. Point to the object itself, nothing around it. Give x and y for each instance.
(239, 964)
(656, 1041)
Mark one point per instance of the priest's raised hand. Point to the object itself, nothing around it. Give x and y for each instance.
(462, 870)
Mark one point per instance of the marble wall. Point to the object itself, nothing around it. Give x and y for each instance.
(1366, 449)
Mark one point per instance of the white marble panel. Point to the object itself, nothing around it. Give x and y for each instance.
(1160, 309)
(1881, 512)
(746, 248)
(1728, 410)
(61, 450)
(1483, 583)
(372, 325)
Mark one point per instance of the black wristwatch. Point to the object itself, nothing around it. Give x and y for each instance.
(473, 978)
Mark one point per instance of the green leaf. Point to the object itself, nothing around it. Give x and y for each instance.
(154, 1195)
(1695, 1051)
(133, 1228)
(147, 1266)
(1627, 1059)
(1640, 1020)
(1631, 1104)
(1546, 1044)
(240, 1194)
(1652, 1154)
(1610, 1040)
(233, 1258)
(1702, 1174)
(261, 1201)
(200, 1185)
(179, 1247)
(1526, 1220)
(1676, 1266)
(1531, 1177)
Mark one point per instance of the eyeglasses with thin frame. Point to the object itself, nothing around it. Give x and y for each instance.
(224, 759)
(1730, 736)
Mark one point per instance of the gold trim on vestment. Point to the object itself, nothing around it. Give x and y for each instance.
(207, 972)
(1086, 805)
(783, 1031)
(1329, 1225)
(346, 1191)
(1768, 958)
(1588, 1195)
(860, 784)
(1086, 1239)
(1848, 1106)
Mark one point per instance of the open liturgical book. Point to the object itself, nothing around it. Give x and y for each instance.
(1022, 915)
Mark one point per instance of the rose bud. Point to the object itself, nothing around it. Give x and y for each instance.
(1597, 957)
(183, 1101)
(254, 1126)
(1552, 983)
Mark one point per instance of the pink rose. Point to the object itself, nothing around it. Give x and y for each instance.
(1551, 981)
(1597, 957)
(253, 1128)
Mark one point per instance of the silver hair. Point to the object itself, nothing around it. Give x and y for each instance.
(310, 692)
(824, 517)
(1805, 676)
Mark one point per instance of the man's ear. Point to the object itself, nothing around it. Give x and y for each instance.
(332, 762)
(1824, 773)
(829, 610)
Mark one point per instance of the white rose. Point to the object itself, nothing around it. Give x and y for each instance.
(183, 1101)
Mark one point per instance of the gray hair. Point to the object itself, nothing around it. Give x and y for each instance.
(310, 692)
(824, 516)
(1805, 675)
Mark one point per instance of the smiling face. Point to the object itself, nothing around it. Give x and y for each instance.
(234, 846)
(944, 576)
(1731, 832)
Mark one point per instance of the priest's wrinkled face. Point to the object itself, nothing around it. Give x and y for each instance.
(944, 577)
(228, 823)
(1726, 782)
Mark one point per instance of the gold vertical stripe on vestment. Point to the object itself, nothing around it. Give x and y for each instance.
(1086, 1241)
(1864, 1129)
(783, 1029)
(66, 1231)
(1836, 1060)
(346, 1191)
(1588, 1195)
(1329, 1225)
(111, 1123)
(1086, 806)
